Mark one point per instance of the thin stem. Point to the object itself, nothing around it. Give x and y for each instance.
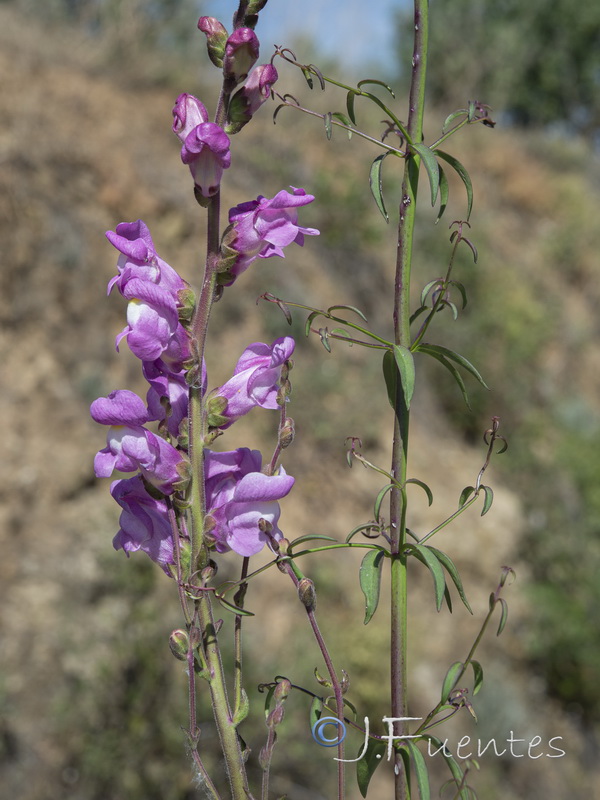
(398, 509)
(294, 574)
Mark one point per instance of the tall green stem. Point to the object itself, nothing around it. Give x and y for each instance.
(406, 223)
(197, 432)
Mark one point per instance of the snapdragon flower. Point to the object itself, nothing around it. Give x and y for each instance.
(246, 101)
(261, 228)
(130, 446)
(154, 290)
(144, 522)
(239, 496)
(167, 397)
(205, 145)
(241, 53)
(255, 380)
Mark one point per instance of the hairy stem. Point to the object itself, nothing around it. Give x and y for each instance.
(401, 422)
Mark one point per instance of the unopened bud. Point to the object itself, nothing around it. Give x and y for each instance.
(282, 690)
(241, 53)
(287, 433)
(216, 38)
(307, 594)
(275, 717)
(264, 756)
(179, 643)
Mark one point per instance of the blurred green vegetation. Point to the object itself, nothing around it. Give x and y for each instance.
(537, 62)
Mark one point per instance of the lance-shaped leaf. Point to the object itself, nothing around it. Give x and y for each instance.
(347, 308)
(390, 374)
(423, 486)
(376, 82)
(503, 617)
(420, 770)
(488, 499)
(450, 567)
(427, 557)
(350, 98)
(465, 495)
(327, 121)
(431, 167)
(344, 120)
(444, 193)
(451, 117)
(463, 174)
(380, 498)
(453, 371)
(432, 349)
(241, 711)
(375, 183)
(453, 766)
(316, 709)
(406, 367)
(232, 607)
(477, 675)
(368, 764)
(451, 679)
(370, 581)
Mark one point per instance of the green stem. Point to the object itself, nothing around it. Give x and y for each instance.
(398, 647)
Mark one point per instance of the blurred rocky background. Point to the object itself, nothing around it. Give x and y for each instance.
(91, 700)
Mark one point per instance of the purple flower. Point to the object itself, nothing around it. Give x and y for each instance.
(264, 227)
(129, 446)
(153, 289)
(245, 103)
(139, 260)
(255, 378)
(205, 145)
(241, 53)
(144, 522)
(167, 396)
(239, 496)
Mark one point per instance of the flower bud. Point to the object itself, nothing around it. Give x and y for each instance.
(287, 433)
(275, 717)
(216, 38)
(307, 594)
(282, 690)
(179, 643)
(241, 53)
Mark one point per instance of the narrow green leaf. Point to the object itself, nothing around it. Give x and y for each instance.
(309, 321)
(453, 356)
(344, 120)
(380, 498)
(406, 367)
(444, 193)
(427, 557)
(350, 98)
(448, 598)
(451, 369)
(390, 374)
(423, 486)
(311, 537)
(268, 699)
(376, 184)
(241, 712)
(463, 174)
(316, 709)
(347, 308)
(431, 167)
(478, 676)
(327, 121)
(428, 288)
(450, 679)
(450, 567)
(462, 290)
(465, 494)
(364, 527)
(342, 332)
(307, 76)
(503, 617)
(360, 84)
(232, 607)
(488, 500)
(324, 334)
(420, 770)
(451, 117)
(369, 763)
(370, 581)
